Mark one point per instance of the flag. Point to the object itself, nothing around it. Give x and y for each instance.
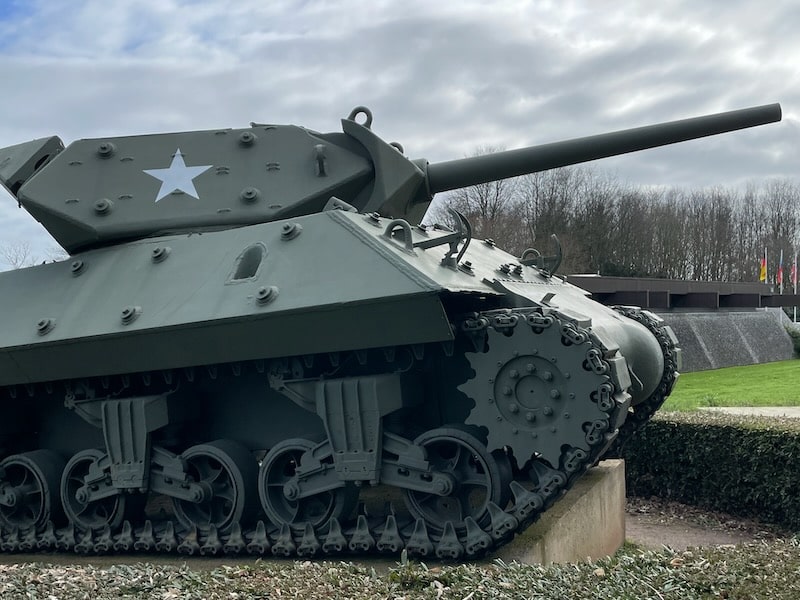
(794, 273)
(763, 273)
(779, 278)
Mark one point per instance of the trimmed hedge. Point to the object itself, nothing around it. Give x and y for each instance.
(744, 466)
(794, 334)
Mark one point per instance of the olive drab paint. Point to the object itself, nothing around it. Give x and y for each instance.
(254, 330)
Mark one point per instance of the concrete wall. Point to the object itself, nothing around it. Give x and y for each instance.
(716, 339)
(587, 523)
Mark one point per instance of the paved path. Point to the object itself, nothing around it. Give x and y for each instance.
(763, 411)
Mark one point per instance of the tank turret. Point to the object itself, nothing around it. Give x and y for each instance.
(103, 191)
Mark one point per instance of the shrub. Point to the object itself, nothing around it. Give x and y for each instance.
(744, 466)
(794, 333)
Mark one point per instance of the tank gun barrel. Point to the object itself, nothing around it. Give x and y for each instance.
(465, 172)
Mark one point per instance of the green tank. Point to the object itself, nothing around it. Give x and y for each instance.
(254, 348)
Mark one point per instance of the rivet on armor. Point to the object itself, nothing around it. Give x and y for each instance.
(530, 417)
(249, 195)
(547, 411)
(103, 206)
(530, 368)
(289, 231)
(506, 391)
(247, 138)
(499, 418)
(491, 400)
(130, 314)
(555, 394)
(572, 395)
(45, 326)
(513, 407)
(514, 374)
(566, 375)
(77, 267)
(566, 415)
(266, 294)
(547, 376)
(515, 431)
(105, 149)
(160, 253)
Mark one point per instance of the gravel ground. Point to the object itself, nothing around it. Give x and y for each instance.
(654, 565)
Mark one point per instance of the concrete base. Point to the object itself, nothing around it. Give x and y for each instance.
(587, 523)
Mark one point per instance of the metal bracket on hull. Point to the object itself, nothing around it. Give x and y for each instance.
(352, 409)
(126, 426)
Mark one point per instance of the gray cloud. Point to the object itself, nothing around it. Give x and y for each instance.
(442, 78)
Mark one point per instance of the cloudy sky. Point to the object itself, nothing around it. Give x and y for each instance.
(441, 77)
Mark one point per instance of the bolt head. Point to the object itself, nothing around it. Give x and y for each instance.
(246, 138)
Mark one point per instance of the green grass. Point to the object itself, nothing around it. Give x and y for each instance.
(769, 384)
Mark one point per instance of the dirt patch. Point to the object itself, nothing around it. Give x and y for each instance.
(653, 523)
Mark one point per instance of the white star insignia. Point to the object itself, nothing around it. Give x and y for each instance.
(177, 177)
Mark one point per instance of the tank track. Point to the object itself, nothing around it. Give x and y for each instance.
(641, 413)
(535, 486)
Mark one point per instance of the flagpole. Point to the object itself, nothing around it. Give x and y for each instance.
(794, 283)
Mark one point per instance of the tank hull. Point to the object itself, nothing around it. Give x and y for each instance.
(142, 364)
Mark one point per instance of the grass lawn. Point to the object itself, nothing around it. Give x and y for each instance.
(770, 384)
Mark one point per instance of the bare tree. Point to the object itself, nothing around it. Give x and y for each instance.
(611, 228)
(20, 254)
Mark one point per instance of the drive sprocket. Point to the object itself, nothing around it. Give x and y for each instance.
(544, 385)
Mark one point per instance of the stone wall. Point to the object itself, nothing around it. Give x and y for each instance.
(716, 339)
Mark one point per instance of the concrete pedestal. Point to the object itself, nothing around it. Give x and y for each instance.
(587, 523)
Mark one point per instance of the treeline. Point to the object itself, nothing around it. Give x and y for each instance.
(613, 228)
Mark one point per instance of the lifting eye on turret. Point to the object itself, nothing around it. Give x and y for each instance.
(248, 263)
